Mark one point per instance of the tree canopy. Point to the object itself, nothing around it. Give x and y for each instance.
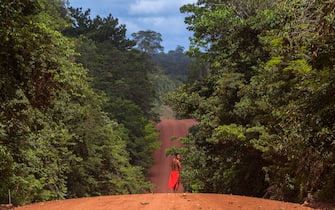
(122, 73)
(263, 99)
(148, 41)
(56, 139)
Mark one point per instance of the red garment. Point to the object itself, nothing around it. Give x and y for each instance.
(174, 179)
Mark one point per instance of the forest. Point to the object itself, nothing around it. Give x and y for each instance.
(263, 94)
(79, 100)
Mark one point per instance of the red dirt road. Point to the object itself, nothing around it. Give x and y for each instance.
(169, 129)
(162, 198)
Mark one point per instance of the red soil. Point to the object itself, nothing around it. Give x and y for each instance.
(162, 198)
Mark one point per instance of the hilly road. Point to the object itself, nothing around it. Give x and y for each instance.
(162, 198)
(170, 131)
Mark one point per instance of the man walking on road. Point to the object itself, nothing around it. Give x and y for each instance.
(174, 180)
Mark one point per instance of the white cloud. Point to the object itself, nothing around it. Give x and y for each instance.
(154, 21)
(183, 2)
(162, 16)
(157, 6)
(169, 24)
(147, 7)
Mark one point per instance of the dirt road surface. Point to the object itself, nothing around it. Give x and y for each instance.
(170, 132)
(162, 198)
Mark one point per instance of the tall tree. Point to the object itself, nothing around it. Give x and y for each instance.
(148, 41)
(124, 75)
(258, 119)
(98, 29)
(52, 125)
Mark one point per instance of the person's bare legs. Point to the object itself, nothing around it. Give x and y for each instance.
(176, 187)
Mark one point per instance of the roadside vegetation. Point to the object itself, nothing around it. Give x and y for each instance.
(263, 94)
(78, 103)
(79, 100)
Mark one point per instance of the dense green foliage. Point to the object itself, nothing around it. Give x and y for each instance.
(77, 95)
(174, 64)
(122, 73)
(264, 99)
(148, 41)
(56, 138)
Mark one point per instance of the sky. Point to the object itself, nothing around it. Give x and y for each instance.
(162, 16)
